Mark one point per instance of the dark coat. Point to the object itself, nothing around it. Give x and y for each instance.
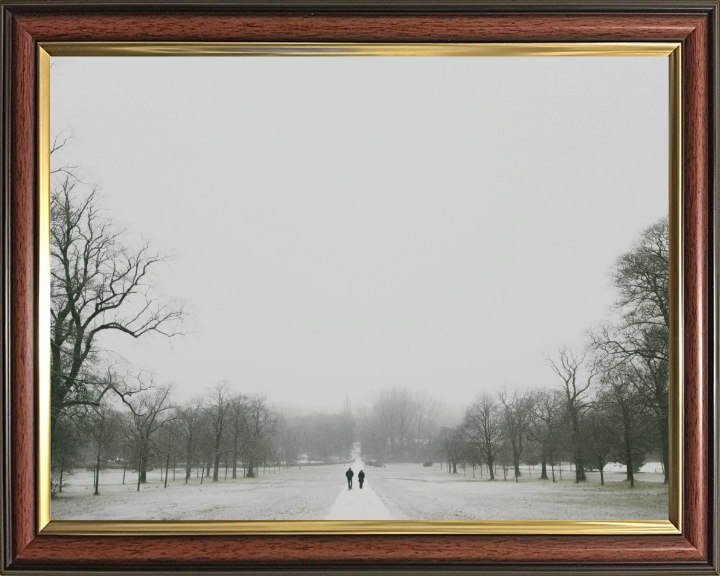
(361, 475)
(349, 474)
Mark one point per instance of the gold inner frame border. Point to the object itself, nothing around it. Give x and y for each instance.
(670, 50)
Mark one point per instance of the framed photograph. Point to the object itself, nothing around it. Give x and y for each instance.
(359, 287)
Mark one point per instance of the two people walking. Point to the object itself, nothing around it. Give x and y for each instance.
(349, 475)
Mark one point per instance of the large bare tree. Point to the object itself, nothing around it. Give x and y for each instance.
(640, 339)
(101, 281)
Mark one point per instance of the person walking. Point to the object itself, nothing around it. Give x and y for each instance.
(361, 478)
(349, 475)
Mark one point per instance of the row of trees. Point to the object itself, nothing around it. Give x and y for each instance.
(611, 402)
(223, 430)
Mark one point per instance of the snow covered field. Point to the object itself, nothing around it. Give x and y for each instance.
(412, 492)
(398, 491)
(305, 493)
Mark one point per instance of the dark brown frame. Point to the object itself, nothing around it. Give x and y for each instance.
(694, 23)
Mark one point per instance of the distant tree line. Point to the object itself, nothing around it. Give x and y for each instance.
(610, 403)
(223, 434)
(399, 424)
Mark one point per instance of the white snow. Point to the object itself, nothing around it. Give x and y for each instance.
(298, 493)
(413, 492)
(357, 504)
(399, 491)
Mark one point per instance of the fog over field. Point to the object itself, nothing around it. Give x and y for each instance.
(268, 270)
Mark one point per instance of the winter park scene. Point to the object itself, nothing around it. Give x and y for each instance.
(359, 288)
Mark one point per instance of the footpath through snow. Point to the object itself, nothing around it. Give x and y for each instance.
(359, 504)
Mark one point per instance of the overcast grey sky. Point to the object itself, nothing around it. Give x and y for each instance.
(342, 224)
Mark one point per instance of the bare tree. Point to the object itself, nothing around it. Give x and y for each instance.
(260, 423)
(218, 410)
(101, 281)
(149, 409)
(517, 412)
(238, 427)
(545, 428)
(167, 444)
(568, 366)
(482, 426)
(620, 404)
(642, 334)
(451, 445)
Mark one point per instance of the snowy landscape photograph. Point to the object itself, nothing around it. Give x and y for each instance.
(363, 288)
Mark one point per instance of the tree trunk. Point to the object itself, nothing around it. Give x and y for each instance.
(124, 469)
(139, 473)
(167, 467)
(250, 471)
(543, 470)
(234, 466)
(216, 468)
(579, 465)
(97, 475)
(602, 476)
(629, 463)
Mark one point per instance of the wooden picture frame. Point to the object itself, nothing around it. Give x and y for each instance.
(27, 25)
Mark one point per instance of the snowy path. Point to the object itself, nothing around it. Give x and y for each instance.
(359, 504)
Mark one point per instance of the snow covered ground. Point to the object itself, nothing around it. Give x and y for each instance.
(413, 492)
(398, 491)
(305, 493)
